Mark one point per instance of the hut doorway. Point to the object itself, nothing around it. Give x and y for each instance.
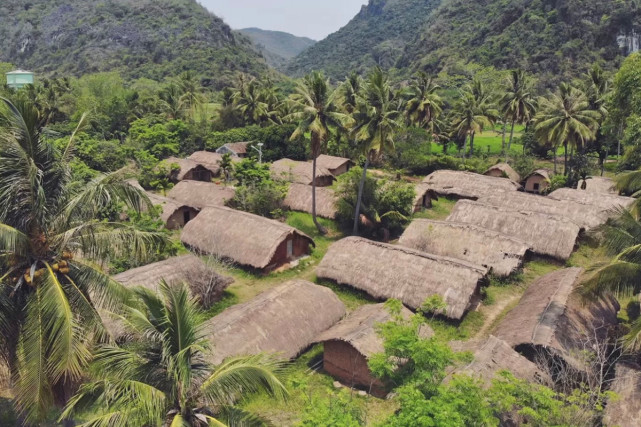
(290, 249)
(186, 216)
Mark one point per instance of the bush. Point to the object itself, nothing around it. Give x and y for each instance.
(263, 199)
(523, 165)
(337, 411)
(556, 182)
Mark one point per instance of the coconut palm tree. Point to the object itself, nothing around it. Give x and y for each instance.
(517, 104)
(350, 91)
(565, 118)
(376, 120)
(250, 101)
(52, 243)
(424, 105)
(473, 113)
(192, 92)
(315, 110)
(160, 375)
(172, 100)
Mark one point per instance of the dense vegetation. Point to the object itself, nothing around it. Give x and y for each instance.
(276, 46)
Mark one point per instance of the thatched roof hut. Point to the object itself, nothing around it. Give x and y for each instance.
(423, 197)
(544, 234)
(300, 172)
(584, 215)
(551, 317)
(498, 252)
(299, 198)
(245, 238)
(387, 271)
(491, 356)
(625, 409)
(285, 319)
(599, 184)
(189, 169)
(174, 214)
(466, 185)
(538, 181)
(198, 194)
(336, 165)
(236, 149)
(503, 170)
(604, 201)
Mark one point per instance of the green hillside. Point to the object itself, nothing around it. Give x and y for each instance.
(277, 46)
(139, 38)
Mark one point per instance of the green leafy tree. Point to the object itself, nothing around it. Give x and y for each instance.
(517, 103)
(226, 165)
(424, 105)
(161, 376)
(473, 113)
(250, 101)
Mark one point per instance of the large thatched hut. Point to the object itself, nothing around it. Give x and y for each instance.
(236, 149)
(300, 172)
(388, 271)
(551, 319)
(189, 169)
(500, 253)
(624, 410)
(503, 170)
(422, 197)
(336, 165)
(538, 181)
(544, 234)
(174, 214)
(348, 345)
(284, 320)
(198, 194)
(585, 215)
(207, 159)
(299, 198)
(598, 184)
(244, 238)
(604, 201)
(466, 185)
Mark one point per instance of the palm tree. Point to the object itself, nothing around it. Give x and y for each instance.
(315, 110)
(424, 105)
(192, 96)
(172, 100)
(376, 120)
(473, 113)
(350, 92)
(250, 101)
(52, 244)
(565, 118)
(160, 376)
(517, 103)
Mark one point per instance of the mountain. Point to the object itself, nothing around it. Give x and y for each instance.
(139, 38)
(276, 46)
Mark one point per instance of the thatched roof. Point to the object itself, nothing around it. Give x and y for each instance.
(285, 319)
(359, 329)
(549, 315)
(299, 198)
(240, 148)
(584, 215)
(169, 206)
(387, 271)
(491, 356)
(543, 173)
(331, 162)
(240, 236)
(187, 165)
(625, 409)
(199, 194)
(599, 184)
(295, 171)
(604, 201)
(545, 234)
(467, 185)
(421, 190)
(498, 252)
(505, 170)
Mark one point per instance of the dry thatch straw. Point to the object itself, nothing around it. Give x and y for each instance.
(625, 409)
(604, 201)
(242, 237)
(300, 172)
(600, 185)
(336, 165)
(503, 170)
(299, 198)
(584, 215)
(285, 319)
(423, 197)
(236, 149)
(544, 234)
(169, 208)
(199, 194)
(491, 356)
(498, 252)
(387, 271)
(189, 167)
(467, 185)
(551, 316)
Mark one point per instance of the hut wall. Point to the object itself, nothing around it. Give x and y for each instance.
(177, 219)
(199, 174)
(324, 181)
(300, 247)
(340, 170)
(532, 182)
(495, 173)
(423, 202)
(345, 363)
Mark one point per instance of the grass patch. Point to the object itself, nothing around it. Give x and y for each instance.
(440, 209)
(352, 298)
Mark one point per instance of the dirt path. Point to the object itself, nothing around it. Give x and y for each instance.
(492, 312)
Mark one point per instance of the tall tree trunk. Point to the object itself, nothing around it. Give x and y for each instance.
(509, 143)
(554, 157)
(565, 162)
(320, 228)
(465, 147)
(471, 144)
(357, 211)
(503, 139)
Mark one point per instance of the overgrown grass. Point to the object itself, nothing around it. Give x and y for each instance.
(440, 209)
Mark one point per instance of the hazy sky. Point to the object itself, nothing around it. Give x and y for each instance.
(311, 18)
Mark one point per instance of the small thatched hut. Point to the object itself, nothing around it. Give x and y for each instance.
(245, 238)
(350, 343)
(174, 214)
(466, 185)
(198, 194)
(300, 172)
(387, 271)
(604, 201)
(503, 170)
(544, 234)
(423, 197)
(598, 184)
(336, 165)
(550, 317)
(236, 149)
(491, 356)
(285, 320)
(189, 169)
(585, 215)
(625, 409)
(299, 198)
(538, 181)
(499, 253)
